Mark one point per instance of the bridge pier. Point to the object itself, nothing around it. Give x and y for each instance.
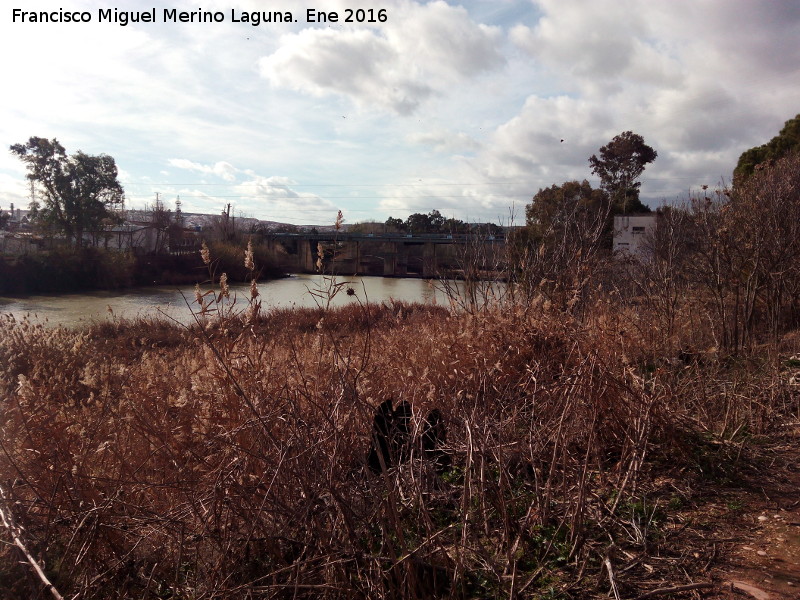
(428, 260)
(307, 255)
(389, 264)
(298, 252)
(395, 263)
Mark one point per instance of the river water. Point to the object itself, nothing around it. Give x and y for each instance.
(73, 310)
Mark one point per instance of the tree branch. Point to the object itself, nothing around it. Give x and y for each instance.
(5, 517)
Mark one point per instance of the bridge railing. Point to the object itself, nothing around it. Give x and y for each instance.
(440, 238)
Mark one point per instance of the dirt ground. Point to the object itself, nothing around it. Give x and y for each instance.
(762, 558)
(741, 538)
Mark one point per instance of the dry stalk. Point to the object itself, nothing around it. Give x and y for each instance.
(13, 530)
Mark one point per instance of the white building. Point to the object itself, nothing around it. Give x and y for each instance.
(630, 231)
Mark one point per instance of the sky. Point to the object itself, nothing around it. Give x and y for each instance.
(468, 107)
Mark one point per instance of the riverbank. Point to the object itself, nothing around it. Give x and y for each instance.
(231, 458)
(304, 291)
(86, 269)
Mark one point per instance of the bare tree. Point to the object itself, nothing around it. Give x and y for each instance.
(567, 229)
(765, 222)
(658, 276)
(160, 219)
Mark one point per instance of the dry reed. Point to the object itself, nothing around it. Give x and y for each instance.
(225, 460)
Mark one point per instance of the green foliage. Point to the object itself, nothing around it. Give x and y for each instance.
(73, 270)
(676, 503)
(553, 209)
(421, 223)
(787, 141)
(735, 505)
(640, 510)
(621, 163)
(393, 223)
(67, 270)
(435, 222)
(80, 191)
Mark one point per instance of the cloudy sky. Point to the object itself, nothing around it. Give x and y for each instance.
(455, 106)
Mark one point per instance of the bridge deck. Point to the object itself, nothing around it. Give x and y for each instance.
(397, 238)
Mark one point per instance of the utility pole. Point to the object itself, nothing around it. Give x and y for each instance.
(227, 214)
(178, 213)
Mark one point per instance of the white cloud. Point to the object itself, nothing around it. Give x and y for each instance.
(695, 79)
(14, 191)
(445, 141)
(441, 98)
(223, 170)
(275, 199)
(422, 51)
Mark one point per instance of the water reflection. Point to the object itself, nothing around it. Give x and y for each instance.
(299, 290)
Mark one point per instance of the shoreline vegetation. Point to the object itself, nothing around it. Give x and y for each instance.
(228, 459)
(591, 416)
(70, 270)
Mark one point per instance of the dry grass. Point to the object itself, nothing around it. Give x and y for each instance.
(143, 459)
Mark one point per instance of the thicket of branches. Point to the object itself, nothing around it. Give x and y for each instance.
(728, 260)
(731, 255)
(227, 459)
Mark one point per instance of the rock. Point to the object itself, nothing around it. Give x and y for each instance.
(741, 586)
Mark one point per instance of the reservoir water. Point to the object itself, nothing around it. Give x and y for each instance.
(72, 310)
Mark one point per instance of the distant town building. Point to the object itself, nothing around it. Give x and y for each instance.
(630, 232)
(20, 243)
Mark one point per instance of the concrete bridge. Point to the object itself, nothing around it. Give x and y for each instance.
(386, 254)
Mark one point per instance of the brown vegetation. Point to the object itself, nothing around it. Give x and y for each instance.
(229, 459)
(147, 460)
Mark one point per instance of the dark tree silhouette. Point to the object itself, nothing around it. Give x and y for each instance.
(79, 191)
(621, 163)
(787, 141)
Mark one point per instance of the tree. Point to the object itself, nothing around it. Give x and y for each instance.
(555, 209)
(437, 221)
(659, 274)
(160, 222)
(395, 224)
(787, 141)
(567, 229)
(79, 191)
(453, 225)
(621, 163)
(763, 225)
(433, 222)
(418, 223)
